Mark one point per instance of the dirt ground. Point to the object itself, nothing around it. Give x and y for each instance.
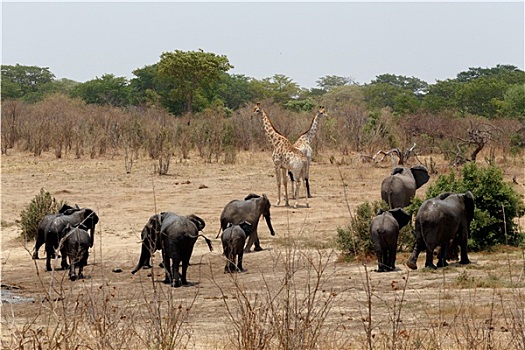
(124, 202)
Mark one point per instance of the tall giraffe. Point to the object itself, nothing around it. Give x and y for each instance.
(286, 158)
(303, 144)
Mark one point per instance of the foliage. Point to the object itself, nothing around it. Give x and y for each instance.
(28, 83)
(355, 240)
(106, 90)
(329, 82)
(495, 200)
(41, 205)
(192, 71)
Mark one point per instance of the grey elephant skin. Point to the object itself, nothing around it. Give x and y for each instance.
(250, 210)
(384, 231)
(75, 244)
(41, 235)
(175, 235)
(233, 239)
(398, 189)
(84, 218)
(440, 221)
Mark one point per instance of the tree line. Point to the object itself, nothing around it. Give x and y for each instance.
(193, 81)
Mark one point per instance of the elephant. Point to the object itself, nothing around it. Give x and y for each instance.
(84, 218)
(384, 231)
(440, 221)
(398, 189)
(75, 245)
(250, 210)
(233, 239)
(41, 236)
(175, 235)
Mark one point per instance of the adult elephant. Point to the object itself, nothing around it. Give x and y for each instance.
(176, 236)
(440, 221)
(41, 228)
(84, 218)
(384, 231)
(250, 210)
(398, 189)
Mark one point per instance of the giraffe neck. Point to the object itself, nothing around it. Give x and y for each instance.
(310, 134)
(275, 138)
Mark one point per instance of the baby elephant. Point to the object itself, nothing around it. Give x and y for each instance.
(384, 230)
(233, 239)
(75, 245)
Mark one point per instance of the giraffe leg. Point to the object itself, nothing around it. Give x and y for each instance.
(284, 173)
(278, 178)
(297, 187)
(306, 192)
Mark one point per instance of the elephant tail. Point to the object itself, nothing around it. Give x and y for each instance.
(208, 241)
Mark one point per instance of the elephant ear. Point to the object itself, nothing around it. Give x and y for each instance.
(246, 227)
(469, 205)
(420, 174)
(397, 170)
(401, 216)
(250, 196)
(199, 223)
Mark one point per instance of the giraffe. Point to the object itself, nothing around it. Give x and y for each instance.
(286, 158)
(303, 145)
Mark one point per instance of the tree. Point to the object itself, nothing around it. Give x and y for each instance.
(106, 90)
(329, 82)
(29, 83)
(235, 90)
(192, 71)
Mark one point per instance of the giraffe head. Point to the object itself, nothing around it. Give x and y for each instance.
(321, 111)
(257, 110)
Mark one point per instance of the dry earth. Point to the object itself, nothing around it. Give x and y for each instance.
(439, 303)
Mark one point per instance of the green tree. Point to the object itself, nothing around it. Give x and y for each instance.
(513, 104)
(106, 90)
(235, 90)
(329, 82)
(29, 83)
(192, 71)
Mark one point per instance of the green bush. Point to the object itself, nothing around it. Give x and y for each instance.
(355, 239)
(39, 207)
(492, 195)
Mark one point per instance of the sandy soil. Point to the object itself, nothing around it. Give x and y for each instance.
(124, 202)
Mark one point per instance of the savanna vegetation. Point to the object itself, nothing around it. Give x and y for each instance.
(188, 105)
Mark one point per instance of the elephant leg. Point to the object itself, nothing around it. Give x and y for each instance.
(50, 254)
(40, 240)
(257, 244)
(83, 263)
(227, 255)
(442, 256)
(464, 256)
(252, 238)
(72, 274)
(429, 259)
(392, 259)
(167, 267)
(64, 265)
(419, 245)
(185, 264)
(380, 263)
(239, 261)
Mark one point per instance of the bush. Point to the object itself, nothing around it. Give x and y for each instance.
(355, 239)
(40, 206)
(492, 195)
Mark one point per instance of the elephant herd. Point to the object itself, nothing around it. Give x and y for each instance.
(175, 235)
(442, 221)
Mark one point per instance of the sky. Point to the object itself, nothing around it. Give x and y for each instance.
(301, 40)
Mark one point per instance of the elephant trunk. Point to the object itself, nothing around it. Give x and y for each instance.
(269, 223)
(92, 237)
(145, 255)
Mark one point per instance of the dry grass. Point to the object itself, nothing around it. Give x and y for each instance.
(295, 294)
